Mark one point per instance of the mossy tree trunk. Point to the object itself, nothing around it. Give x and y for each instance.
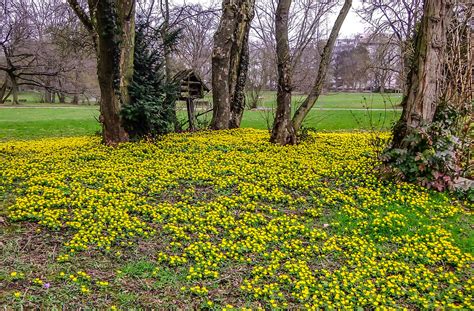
(425, 78)
(230, 63)
(111, 24)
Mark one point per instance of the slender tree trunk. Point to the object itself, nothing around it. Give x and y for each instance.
(3, 91)
(116, 29)
(313, 96)
(283, 132)
(191, 114)
(424, 80)
(229, 62)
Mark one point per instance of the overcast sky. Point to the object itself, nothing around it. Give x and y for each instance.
(352, 25)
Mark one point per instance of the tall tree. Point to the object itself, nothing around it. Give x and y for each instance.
(230, 63)
(313, 95)
(283, 132)
(111, 24)
(424, 87)
(431, 140)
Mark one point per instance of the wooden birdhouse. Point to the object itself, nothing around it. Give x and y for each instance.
(191, 87)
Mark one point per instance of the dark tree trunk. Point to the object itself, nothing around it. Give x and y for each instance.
(229, 62)
(238, 99)
(14, 89)
(424, 80)
(3, 91)
(75, 100)
(111, 24)
(283, 132)
(116, 33)
(313, 96)
(61, 97)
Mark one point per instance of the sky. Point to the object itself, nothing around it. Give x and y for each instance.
(352, 25)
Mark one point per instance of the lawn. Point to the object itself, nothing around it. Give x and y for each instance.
(225, 220)
(30, 123)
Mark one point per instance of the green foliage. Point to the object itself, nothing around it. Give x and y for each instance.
(431, 155)
(151, 109)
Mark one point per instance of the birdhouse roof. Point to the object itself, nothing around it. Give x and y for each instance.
(189, 75)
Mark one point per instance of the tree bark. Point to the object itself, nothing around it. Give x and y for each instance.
(238, 98)
(228, 62)
(14, 88)
(3, 91)
(116, 35)
(111, 24)
(313, 96)
(283, 132)
(191, 114)
(424, 84)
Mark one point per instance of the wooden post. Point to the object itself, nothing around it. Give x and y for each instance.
(191, 114)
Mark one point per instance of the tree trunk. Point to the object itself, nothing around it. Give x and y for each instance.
(238, 99)
(116, 35)
(61, 97)
(14, 89)
(313, 96)
(3, 91)
(75, 100)
(229, 62)
(47, 97)
(111, 24)
(283, 132)
(191, 114)
(424, 80)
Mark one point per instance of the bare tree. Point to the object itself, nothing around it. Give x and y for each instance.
(305, 31)
(26, 52)
(194, 48)
(230, 63)
(399, 19)
(313, 95)
(283, 132)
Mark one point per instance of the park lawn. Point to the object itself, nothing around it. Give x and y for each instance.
(31, 123)
(342, 100)
(225, 219)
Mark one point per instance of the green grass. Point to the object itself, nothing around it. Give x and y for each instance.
(31, 123)
(342, 100)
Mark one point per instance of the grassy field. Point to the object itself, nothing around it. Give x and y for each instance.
(342, 100)
(224, 220)
(34, 120)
